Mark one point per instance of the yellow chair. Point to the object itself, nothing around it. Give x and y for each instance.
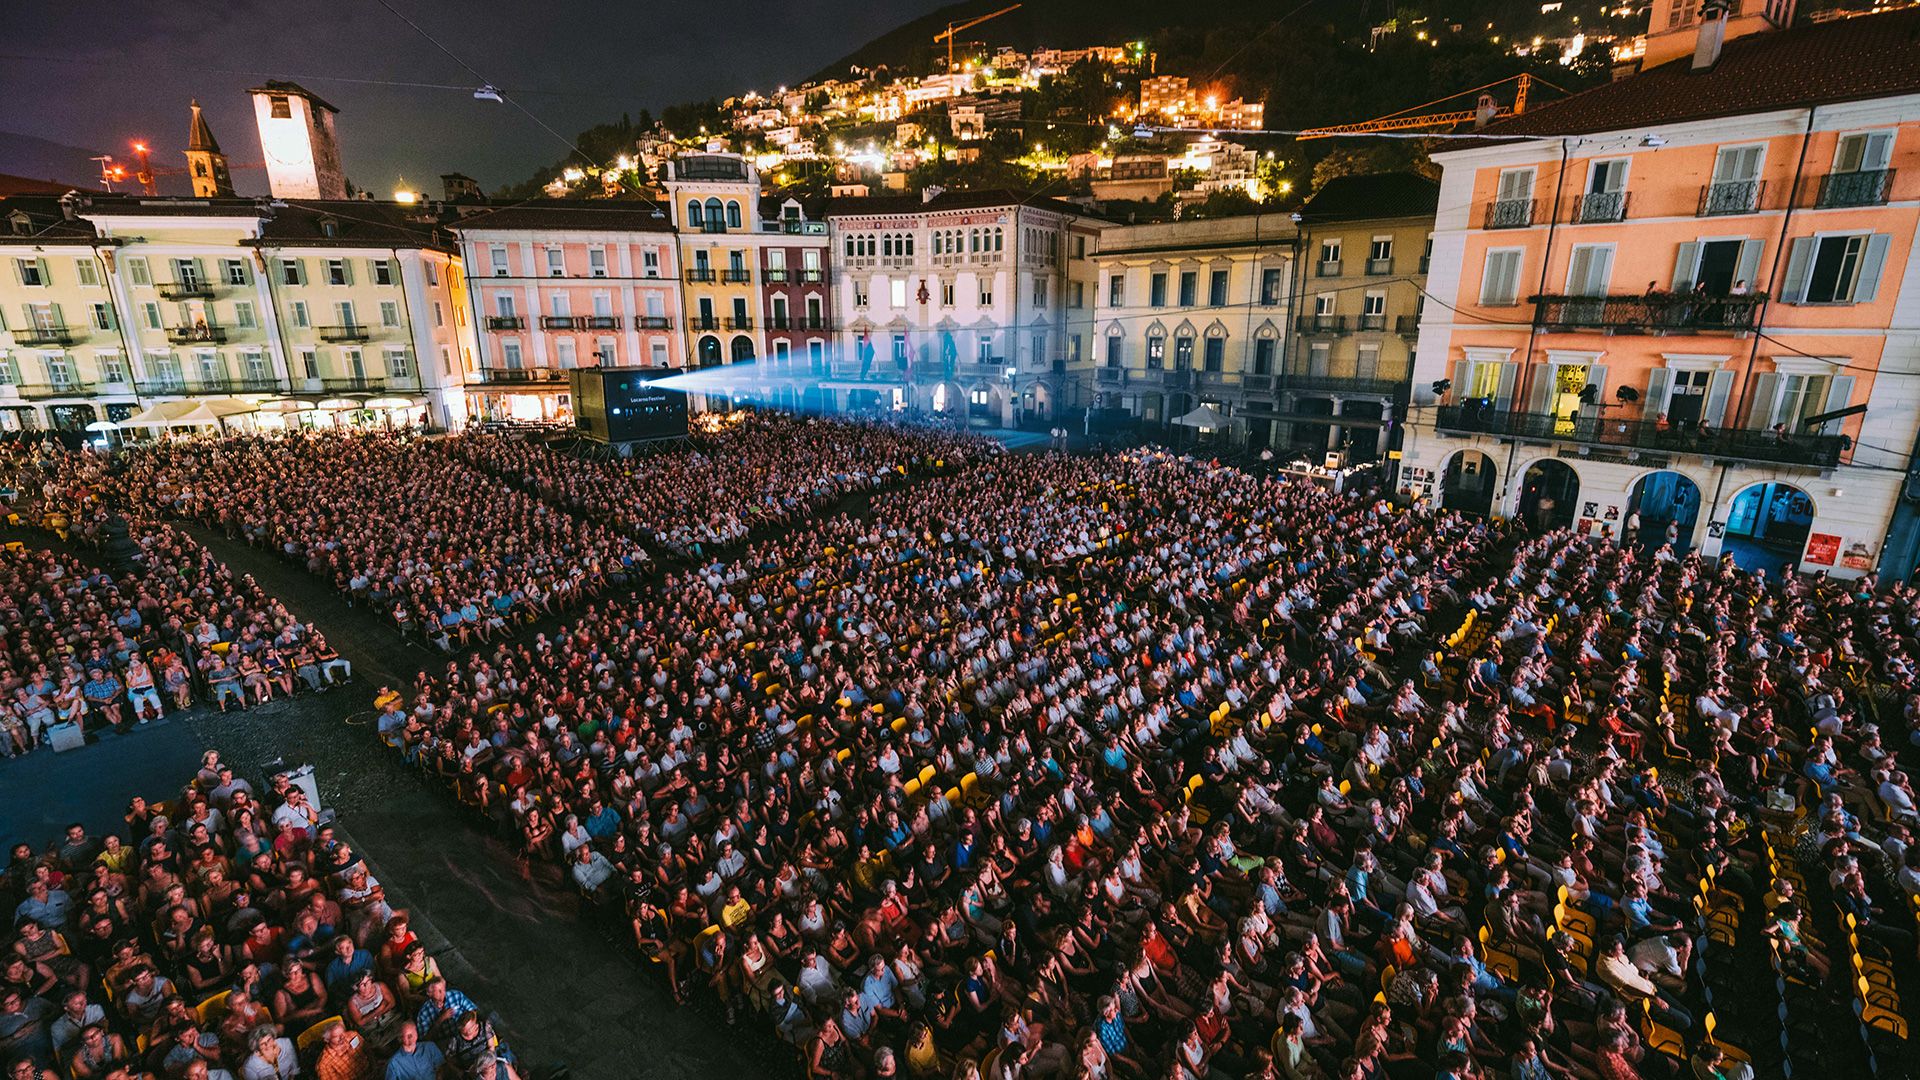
(1727, 1048)
(1879, 1010)
(311, 1037)
(213, 1008)
(1659, 1036)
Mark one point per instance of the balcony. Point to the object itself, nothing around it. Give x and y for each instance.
(1806, 451)
(1373, 323)
(1406, 325)
(1731, 197)
(701, 273)
(1380, 267)
(812, 277)
(1867, 187)
(580, 322)
(703, 322)
(185, 290)
(1321, 324)
(1599, 207)
(774, 277)
(350, 332)
(506, 322)
(736, 277)
(1110, 376)
(1509, 213)
(1660, 313)
(213, 384)
(500, 376)
(1324, 268)
(199, 334)
(43, 335)
(739, 324)
(653, 322)
(363, 384)
(66, 388)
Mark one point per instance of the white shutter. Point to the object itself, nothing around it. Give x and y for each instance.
(1597, 377)
(1503, 396)
(1868, 285)
(1879, 151)
(346, 270)
(1760, 406)
(46, 272)
(1683, 264)
(1718, 391)
(1462, 376)
(1539, 382)
(1799, 266)
(1838, 395)
(1655, 402)
(1748, 269)
(1580, 270)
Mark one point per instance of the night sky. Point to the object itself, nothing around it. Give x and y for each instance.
(97, 76)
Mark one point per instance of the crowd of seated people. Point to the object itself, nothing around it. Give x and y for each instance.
(769, 470)
(225, 932)
(81, 645)
(395, 522)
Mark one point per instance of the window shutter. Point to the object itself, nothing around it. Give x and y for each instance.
(346, 270)
(1580, 271)
(1838, 394)
(1870, 267)
(1503, 397)
(1683, 263)
(1718, 390)
(1597, 375)
(1539, 378)
(1462, 374)
(46, 272)
(1799, 264)
(1760, 408)
(1749, 268)
(1656, 399)
(53, 312)
(1879, 151)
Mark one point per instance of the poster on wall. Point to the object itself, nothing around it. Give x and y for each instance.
(1822, 549)
(1858, 556)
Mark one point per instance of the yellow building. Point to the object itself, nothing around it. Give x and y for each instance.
(716, 200)
(64, 351)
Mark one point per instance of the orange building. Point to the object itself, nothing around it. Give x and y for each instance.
(1684, 302)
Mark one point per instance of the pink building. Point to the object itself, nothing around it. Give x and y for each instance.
(567, 285)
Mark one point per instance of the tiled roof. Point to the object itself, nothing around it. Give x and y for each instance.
(946, 200)
(584, 215)
(1374, 195)
(354, 223)
(1870, 56)
(38, 219)
(27, 185)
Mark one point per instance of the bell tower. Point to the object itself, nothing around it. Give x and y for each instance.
(205, 163)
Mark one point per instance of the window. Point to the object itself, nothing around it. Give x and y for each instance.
(503, 305)
(782, 351)
(1039, 292)
(309, 364)
(946, 294)
(1835, 269)
(32, 272)
(597, 262)
(150, 314)
(433, 274)
(984, 349)
(1073, 348)
(383, 271)
(1500, 280)
(1367, 362)
(817, 355)
(1373, 310)
(86, 271)
(733, 214)
(1323, 303)
(1380, 251)
(1117, 290)
(1270, 287)
(253, 365)
(187, 271)
(1801, 396)
(510, 352)
(695, 216)
(243, 315)
(1863, 151)
(1076, 294)
(563, 353)
(1589, 270)
(138, 274)
(659, 351)
(300, 318)
(897, 292)
(292, 272)
(602, 305)
(1116, 350)
(1217, 288)
(1330, 257)
(102, 316)
(899, 350)
(389, 313)
(1039, 349)
(1189, 288)
(233, 271)
(1156, 351)
(279, 107)
(556, 262)
(339, 272)
(650, 262)
(1157, 290)
(1214, 353)
(1079, 247)
(1263, 350)
(439, 316)
(113, 369)
(1182, 352)
(859, 294)
(986, 294)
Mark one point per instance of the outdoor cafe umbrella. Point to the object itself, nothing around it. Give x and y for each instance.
(1205, 418)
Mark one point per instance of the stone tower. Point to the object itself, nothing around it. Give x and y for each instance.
(205, 163)
(296, 135)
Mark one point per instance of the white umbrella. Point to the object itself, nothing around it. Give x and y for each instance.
(103, 425)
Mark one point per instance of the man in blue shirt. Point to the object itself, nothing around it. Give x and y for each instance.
(413, 1059)
(443, 1005)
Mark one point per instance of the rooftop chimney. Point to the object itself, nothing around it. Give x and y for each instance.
(1484, 110)
(1712, 35)
(931, 192)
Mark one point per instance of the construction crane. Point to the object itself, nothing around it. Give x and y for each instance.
(954, 28)
(145, 172)
(1485, 110)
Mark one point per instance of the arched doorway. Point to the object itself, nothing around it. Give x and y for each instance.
(1548, 493)
(742, 349)
(1767, 526)
(1467, 483)
(709, 351)
(1668, 504)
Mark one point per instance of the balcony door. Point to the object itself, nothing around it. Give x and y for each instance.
(1687, 398)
